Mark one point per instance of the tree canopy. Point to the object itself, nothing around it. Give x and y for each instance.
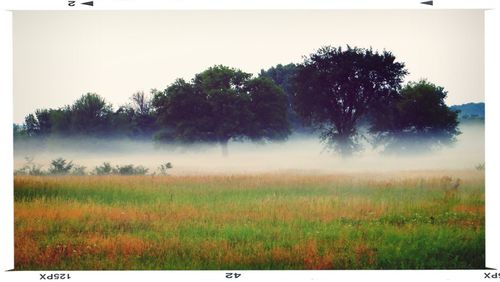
(335, 88)
(90, 114)
(220, 104)
(419, 120)
(284, 76)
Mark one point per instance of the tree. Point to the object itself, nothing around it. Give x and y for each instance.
(335, 88)
(143, 118)
(60, 120)
(47, 122)
(31, 125)
(90, 115)
(268, 108)
(419, 120)
(183, 113)
(19, 131)
(283, 76)
(224, 91)
(121, 121)
(222, 104)
(141, 104)
(44, 122)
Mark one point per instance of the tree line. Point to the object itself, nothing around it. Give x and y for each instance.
(344, 95)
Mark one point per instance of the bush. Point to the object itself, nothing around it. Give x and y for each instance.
(163, 169)
(104, 169)
(79, 170)
(480, 167)
(30, 168)
(140, 170)
(130, 170)
(60, 166)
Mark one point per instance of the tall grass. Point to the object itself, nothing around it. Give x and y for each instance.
(268, 221)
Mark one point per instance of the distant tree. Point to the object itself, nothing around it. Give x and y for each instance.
(335, 88)
(141, 104)
(283, 76)
(268, 108)
(44, 122)
(90, 115)
(121, 122)
(19, 131)
(31, 124)
(143, 116)
(47, 122)
(470, 111)
(222, 104)
(419, 120)
(60, 121)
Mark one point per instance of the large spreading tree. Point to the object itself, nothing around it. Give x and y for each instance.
(335, 88)
(222, 104)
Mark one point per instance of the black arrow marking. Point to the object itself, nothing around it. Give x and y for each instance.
(91, 3)
(428, 3)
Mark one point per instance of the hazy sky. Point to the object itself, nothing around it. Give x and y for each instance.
(58, 56)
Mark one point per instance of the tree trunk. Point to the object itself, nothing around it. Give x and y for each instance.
(223, 144)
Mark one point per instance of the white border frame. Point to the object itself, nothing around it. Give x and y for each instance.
(492, 60)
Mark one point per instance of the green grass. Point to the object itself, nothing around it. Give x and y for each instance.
(281, 221)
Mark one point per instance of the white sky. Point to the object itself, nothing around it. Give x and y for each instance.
(58, 56)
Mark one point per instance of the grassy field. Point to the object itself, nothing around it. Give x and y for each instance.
(407, 220)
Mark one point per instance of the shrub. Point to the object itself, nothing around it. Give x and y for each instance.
(140, 170)
(130, 170)
(79, 170)
(480, 167)
(30, 168)
(163, 169)
(104, 169)
(60, 166)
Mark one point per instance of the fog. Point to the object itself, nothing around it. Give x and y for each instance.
(299, 154)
